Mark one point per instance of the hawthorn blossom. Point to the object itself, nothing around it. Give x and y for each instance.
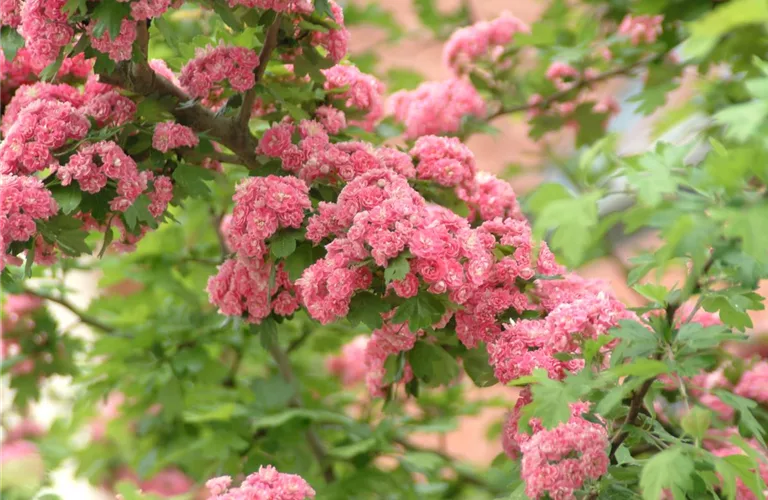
(211, 66)
(289, 6)
(363, 92)
(118, 47)
(350, 365)
(436, 107)
(335, 40)
(641, 29)
(754, 383)
(266, 483)
(44, 26)
(28, 94)
(171, 135)
(470, 43)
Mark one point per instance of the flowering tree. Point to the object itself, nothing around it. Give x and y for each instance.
(263, 252)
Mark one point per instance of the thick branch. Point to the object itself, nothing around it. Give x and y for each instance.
(315, 445)
(141, 79)
(84, 318)
(270, 42)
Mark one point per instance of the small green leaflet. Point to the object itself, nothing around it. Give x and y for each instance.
(744, 406)
(283, 244)
(572, 221)
(67, 197)
(11, 42)
(741, 121)
(367, 308)
(671, 469)
(432, 364)
(109, 15)
(478, 368)
(421, 311)
(397, 269)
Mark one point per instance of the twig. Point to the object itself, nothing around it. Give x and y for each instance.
(223, 247)
(270, 42)
(634, 411)
(299, 341)
(315, 445)
(579, 84)
(84, 318)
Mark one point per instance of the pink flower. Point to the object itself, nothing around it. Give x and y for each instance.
(436, 107)
(754, 383)
(350, 364)
(364, 92)
(170, 135)
(444, 160)
(335, 40)
(160, 196)
(202, 75)
(641, 29)
(289, 6)
(267, 483)
(117, 47)
(332, 119)
(466, 45)
(558, 461)
(45, 29)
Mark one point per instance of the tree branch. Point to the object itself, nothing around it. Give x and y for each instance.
(270, 43)
(579, 84)
(315, 445)
(84, 318)
(139, 78)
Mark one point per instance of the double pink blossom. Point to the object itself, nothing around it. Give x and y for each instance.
(211, 66)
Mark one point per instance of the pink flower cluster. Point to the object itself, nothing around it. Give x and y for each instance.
(289, 6)
(493, 197)
(17, 321)
(93, 164)
(118, 47)
(262, 206)
(641, 29)
(241, 288)
(45, 30)
(315, 157)
(388, 340)
(527, 344)
(105, 105)
(466, 45)
(10, 12)
(202, 76)
(436, 107)
(444, 160)
(350, 364)
(40, 128)
(334, 120)
(267, 483)
(171, 135)
(364, 93)
(28, 94)
(145, 9)
(556, 462)
(24, 68)
(23, 200)
(336, 40)
(754, 383)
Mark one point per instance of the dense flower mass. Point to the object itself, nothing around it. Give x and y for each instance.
(94, 164)
(204, 74)
(558, 461)
(641, 29)
(171, 135)
(145, 9)
(10, 12)
(241, 288)
(290, 6)
(350, 364)
(44, 28)
(363, 92)
(336, 40)
(40, 128)
(444, 160)
(106, 105)
(119, 46)
(23, 200)
(262, 206)
(267, 483)
(482, 39)
(493, 197)
(40, 91)
(436, 107)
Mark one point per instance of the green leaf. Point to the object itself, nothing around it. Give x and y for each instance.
(219, 412)
(283, 243)
(422, 461)
(109, 15)
(551, 401)
(304, 256)
(373, 14)
(744, 406)
(11, 42)
(671, 469)
(651, 99)
(750, 226)
(742, 121)
(707, 29)
(267, 331)
(696, 422)
(478, 368)
(67, 197)
(226, 15)
(652, 179)
(191, 177)
(432, 364)
(572, 222)
(421, 311)
(352, 450)
(402, 78)
(138, 212)
(655, 293)
(367, 308)
(397, 269)
(545, 194)
(645, 368)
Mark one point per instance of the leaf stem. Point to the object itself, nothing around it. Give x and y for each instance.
(84, 317)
